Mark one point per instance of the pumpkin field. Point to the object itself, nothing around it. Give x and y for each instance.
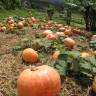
(28, 46)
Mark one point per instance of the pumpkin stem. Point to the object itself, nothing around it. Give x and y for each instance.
(33, 68)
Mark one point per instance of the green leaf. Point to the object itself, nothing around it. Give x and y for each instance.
(60, 66)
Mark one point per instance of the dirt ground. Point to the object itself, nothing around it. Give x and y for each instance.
(11, 66)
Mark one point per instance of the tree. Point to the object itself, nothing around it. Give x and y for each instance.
(87, 9)
(10, 4)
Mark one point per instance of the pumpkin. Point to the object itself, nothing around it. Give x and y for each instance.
(55, 55)
(39, 81)
(94, 85)
(95, 53)
(20, 25)
(68, 32)
(59, 33)
(31, 24)
(59, 25)
(12, 25)
(51, 36)
(11, 22)
(85, 54)
(46, 32)
(69, 42)
(3, 29)
(33, 19)
(93, 37)
(61, 29)
(76, 31)
(11, 28)
(30, 55)
(50, 22)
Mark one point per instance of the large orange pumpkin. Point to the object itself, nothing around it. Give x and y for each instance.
(69, 42)
(42, 81)
(30, 55)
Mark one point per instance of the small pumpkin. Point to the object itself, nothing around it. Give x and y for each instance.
(50, 22)
(68, 32)
(55, 55)
(40, 81)
(34, 20)
(85, 54)
(30, 55)
(95, 53)
(11, 28)
(51, 36)
(3, 29)
(12, 25)
(61, 29)
(93, 37)
(69, 42)
(20, 25)
(46, 32)
(11, 21)
(60, 34)
(59, 26)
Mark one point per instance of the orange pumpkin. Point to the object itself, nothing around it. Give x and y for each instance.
(68, 32)
(59, 33)
(59, 25)
(11, 22)
(33, 19)
(11, 28)
(3, 29)
(46, 32)
(61, 29)
(30, 55)
(51, 36)
(49, 22)
(85, 54)
(20, 25)
(40, 81)
(12, 25)
(55, 55)
(69, 42)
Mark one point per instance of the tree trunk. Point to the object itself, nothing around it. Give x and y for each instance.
(68, 19)
(90, 18)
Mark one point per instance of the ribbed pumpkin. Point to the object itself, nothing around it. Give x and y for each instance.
(42, 81)
(30, 55)
(69, 42)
